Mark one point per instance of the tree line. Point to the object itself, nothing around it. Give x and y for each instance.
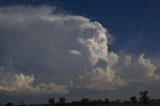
(143, 99)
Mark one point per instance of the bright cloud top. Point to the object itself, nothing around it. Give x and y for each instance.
(59, 49)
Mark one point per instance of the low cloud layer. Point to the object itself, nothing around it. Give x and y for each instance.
(56, 53)
(20, 83)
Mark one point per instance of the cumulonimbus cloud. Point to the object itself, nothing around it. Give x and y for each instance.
(57, 48)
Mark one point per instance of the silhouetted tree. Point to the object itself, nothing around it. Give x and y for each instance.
(144, 98)
(99, 102)
(51, 101)
(126, 102)
(84, 101)
(93, 102)
(118, 101)
(62, 101)
(133, 99)
(106, 101)
(9, 104)
(75, 103)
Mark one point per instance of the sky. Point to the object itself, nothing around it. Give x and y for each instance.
(76, 49)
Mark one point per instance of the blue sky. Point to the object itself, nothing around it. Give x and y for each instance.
(134, 22)
(62, 45)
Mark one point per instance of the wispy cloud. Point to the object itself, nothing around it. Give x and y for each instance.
(75, 52)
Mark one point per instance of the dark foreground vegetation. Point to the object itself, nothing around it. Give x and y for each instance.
(143, 100)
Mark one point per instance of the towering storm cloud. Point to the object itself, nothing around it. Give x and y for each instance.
(45, 51)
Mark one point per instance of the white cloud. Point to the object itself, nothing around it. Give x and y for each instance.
(75, 52)
(113, 58)
(138, 69)
(96, 44)
(22, 84)
(110, 39)
(101, 75)
(105, 79)
(127, 60)
(41, 42)
(149, 68)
